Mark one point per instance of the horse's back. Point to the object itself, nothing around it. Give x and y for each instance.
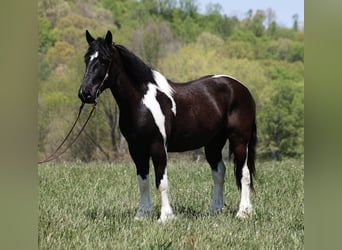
(203, 109)
(213, 93)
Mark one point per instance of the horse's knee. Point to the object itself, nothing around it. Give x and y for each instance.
(159, 159)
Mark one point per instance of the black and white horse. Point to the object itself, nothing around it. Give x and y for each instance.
(159, 116)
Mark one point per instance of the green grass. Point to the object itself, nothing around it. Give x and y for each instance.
(92, 206)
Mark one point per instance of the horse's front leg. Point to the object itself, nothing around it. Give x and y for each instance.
(141, 160)
(159, 158)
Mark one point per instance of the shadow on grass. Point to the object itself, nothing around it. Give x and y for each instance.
(120, 214)
(111, 214)
(193, 213)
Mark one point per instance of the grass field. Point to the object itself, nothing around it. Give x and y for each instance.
(92, 206)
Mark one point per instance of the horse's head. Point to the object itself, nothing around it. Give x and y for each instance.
(98, 63)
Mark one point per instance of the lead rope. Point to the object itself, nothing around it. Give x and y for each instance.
(54, 154)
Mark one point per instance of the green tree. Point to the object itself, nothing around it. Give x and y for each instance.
(272, 29)
(297, 52)
(47, 36)
(61, 54)
(189, 7)
(295, 18)
(152, 41)
(213, 9)
(53, 10)
(281, 121)
(239, 49)
(270, 17)
(280, 49)
(215, 23)
(257, 23)
(209, 40)
(244, 35)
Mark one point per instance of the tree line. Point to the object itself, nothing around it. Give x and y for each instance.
(182, 43)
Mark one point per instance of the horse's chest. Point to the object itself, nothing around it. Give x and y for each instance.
(142, 126)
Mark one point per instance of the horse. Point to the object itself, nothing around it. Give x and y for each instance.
(158, 116)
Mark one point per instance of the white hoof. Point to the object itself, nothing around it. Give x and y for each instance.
(244, 213)
(166, 217)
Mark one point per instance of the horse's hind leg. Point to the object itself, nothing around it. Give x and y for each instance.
(243, 178)
(213, 153)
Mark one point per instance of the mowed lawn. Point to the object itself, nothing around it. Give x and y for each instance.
(92, 206)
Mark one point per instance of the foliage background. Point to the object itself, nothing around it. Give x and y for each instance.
(173, 37)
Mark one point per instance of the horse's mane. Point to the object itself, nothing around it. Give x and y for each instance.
(139, 71)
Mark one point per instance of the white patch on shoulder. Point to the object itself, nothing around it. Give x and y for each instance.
(150, 101)
(165, 87)
(95, 55)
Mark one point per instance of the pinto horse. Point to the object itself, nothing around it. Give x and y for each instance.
(159, 116)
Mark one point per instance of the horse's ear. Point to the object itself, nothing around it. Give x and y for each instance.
(90, 39)
(109, 38)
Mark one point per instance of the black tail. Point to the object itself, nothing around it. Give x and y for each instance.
(239, 161)
(252, 154)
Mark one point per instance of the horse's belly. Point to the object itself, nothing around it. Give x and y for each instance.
(190, 134)
(181, 147)
(188, 141)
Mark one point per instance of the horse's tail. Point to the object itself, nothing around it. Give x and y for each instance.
(238, 164)
(252, 153)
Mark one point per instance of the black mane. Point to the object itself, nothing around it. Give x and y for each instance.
(139, 71)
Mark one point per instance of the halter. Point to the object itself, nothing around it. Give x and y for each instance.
(97, 94)
(54, 155)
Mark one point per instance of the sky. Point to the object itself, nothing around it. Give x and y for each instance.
(284, 9)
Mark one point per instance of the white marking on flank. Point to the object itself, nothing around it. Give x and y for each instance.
(145, 203)
(166, 213)
(218, 178)
(165, 88)
(150, 101)
(95, 55)
(218, 76)
(245, 207)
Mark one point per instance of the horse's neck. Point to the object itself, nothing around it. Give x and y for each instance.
(128, 88)
(125, 93)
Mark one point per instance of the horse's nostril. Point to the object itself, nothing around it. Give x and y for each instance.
(81, 95)
(85, 96)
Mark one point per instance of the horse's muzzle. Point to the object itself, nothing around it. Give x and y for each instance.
(86, 96)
